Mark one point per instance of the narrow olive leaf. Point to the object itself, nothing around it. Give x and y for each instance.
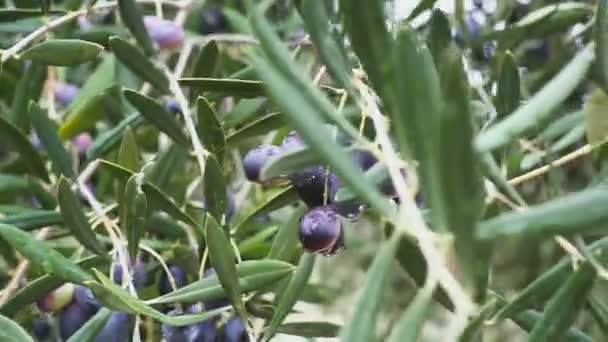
(596, 121)
(562, 125)
(286, 241)
(207, 61)
(63, 52)
(600, 32)
(365, 23)
(128, 154)
(421, 7)
(440, 35)
(290, 294)
(116, 298)
(15, 140)
(11, 15)
(157, 200)
(244, 112)
(473, 330)
(306, 112)
(377, 175)
(282, 198)
(410, 324)
(11, 331)
(85, 110)
(224, 86)
(543, 287)
(75, 219)
(106, 141)
(289, 162)
(328, 42)
(11, 185)
(569, 214)
(135, 213)
(157, 115)
(310, 329)
(283, 64)
(492, 171)
(34, 220)
(257, 246)
(37, 288)
(252, 275)
(508, 91)
(163, 169)
(216, 198)
(139, 64)
(47, 132)
(210, 129)
(528, 319)
(462, 192)
(540, 105)
(564, 307)
(598, 311)
(39, 253)
(132, 16)
(260, 126)
(222, 258)
(362, 325)
(89, 331)
(29, 88)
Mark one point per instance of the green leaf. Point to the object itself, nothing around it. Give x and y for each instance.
(216, 198)
(14, 139)
(563, 308)
(569, 214)
(106, 141)
(600, 32)
(410, 324)
(128, 154)
(508, 87)
(492, 171)
(286, 241)
(38, 288)
(75, 220)
(288, 163)
(305, 108)
(116, 298)
(11, 185)
(598, 311)
(29, 88)
(157, 115)
(89, 331)
(362, 325)
(440, 35)
(310, 329)
(86, 109)
(328, 42)
(224, 86)
(47, 132)
(222, 258)
(252, 275)
(63, 52)
(260, 126)
(208, 61)
(11, 331)
(282, 198)
(376, 175)
(210, 130)
(135, 214)
(131, 15)
(139, 64)
(596, 120)
(421, 7)
(39, 253)
(161, 173)
(14, 14)
(539, 106)
(528, 319)
(290, 294)
(34, 220)
(157, 200)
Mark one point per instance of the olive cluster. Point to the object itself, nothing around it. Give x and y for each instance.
(321, 228)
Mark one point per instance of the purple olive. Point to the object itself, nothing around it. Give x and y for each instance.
(179, 275)
(65, 93)
(349, 208)
(311, 185)
(166, 34)
(293, 141)
(82, 142)
(321, 230)
(235, 331)
(41, 329)
(214, 303)
(173, 106)
(117, 329)
(364, 159)
(57, 299)
(204, 331)
(72, 318)
(257, 158)
(213, 21)
(141, 278)
(172, 333)
(85, 298)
